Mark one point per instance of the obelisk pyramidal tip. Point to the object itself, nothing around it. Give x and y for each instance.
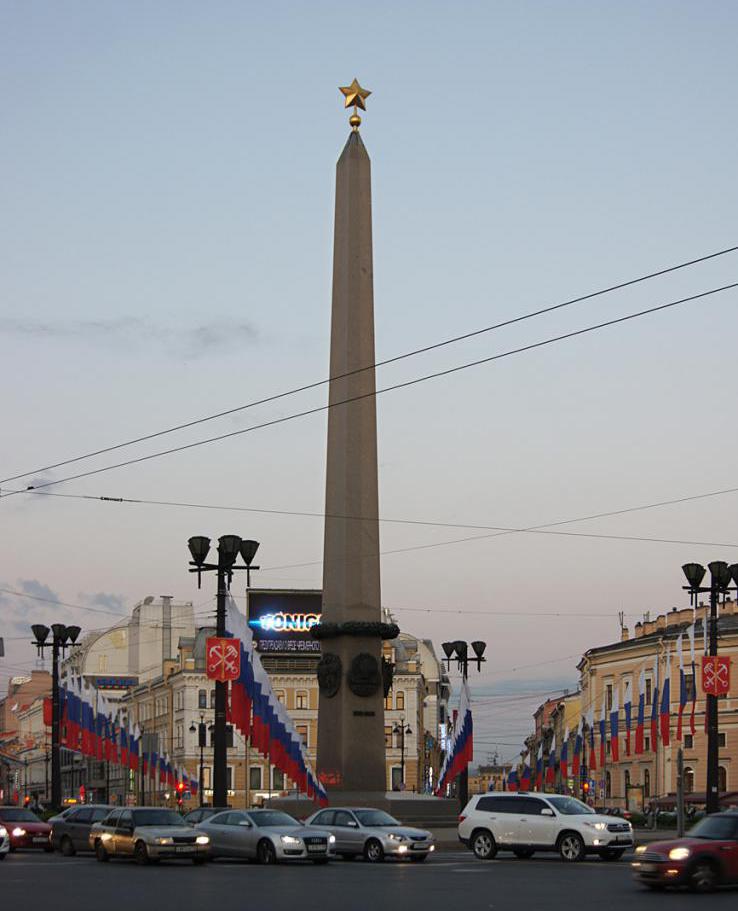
(351, 714)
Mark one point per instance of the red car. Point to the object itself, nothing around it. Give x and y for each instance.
(25, 829)
(707, 857)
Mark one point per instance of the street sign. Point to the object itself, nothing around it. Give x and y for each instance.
(223, 659)
(715, 675)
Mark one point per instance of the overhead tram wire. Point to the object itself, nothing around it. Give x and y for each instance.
(383, 363)
(403, 385)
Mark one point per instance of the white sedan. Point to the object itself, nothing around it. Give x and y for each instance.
(267, 836)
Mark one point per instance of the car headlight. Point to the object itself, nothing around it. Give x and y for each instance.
(3, 831)
(393, 837)
(641, 849)
(289, 840)
(331, 839)
(202, 840)
(600, 826)
(167, 840)
(18, 832)
(679, 853)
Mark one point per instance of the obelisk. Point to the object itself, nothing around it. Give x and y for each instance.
(351, 749)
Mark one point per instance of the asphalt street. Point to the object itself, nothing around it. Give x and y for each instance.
(448, 880)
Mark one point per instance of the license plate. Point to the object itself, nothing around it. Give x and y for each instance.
(316, 849)
(184, 849)
(40, 840)
(648, 868)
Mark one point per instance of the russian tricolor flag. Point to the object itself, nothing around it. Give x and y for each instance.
(641, 719)
(539, 768)
(603, 734)
(665, 713)
(577, 758)
(551, 765)
(564, 758)
(655, 707)
(614, 720)
(461, 749)
(526, 774)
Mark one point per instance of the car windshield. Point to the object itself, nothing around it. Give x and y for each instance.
(17, 814)
(273, 818)
(716, 828)
(157, 818)
(569, 806)
(375, 818)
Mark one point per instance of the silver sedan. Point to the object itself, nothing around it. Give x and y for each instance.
(267, 836)
(373, 834)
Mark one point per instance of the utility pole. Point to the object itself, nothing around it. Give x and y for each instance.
(680, 793)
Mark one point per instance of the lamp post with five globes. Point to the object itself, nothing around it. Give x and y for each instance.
(62, 637)
(458, 651)
(720, 577)
(229, 547)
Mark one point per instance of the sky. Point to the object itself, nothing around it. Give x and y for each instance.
(167, 179)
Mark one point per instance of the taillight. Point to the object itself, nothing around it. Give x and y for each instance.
(462, 818)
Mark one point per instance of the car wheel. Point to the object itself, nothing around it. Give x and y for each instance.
(483, 845)
(702, 877)
(100, 853)
(141, 853)
(373, 851)
(612, 853)
(523, 853)
(266, 853)
(571, 847)
(66, 847)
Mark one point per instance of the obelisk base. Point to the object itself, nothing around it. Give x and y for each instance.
(410, 809)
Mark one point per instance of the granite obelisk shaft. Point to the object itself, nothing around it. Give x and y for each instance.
(351, 727)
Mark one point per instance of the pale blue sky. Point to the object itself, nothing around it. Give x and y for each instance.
(166, 234)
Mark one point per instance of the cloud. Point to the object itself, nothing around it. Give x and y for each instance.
(122, 333)
(108, 600)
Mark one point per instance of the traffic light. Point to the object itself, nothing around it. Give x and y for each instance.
(180, 792)
(585, 788)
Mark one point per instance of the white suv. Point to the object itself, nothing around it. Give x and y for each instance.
(529, 822)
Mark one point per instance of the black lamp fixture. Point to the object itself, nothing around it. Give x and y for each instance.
(720, 578)
(229, 548)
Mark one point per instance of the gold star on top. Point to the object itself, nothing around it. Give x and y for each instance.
(354, 95)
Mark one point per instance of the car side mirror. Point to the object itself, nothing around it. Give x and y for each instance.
(353, 824)
(245, 823)
(547, 812)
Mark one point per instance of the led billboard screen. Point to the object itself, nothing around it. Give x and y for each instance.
(281, 620)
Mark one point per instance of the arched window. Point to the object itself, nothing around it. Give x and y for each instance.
(688, 780)
(646, 783)
(388, 702)
(400, 701)
(608, 785)
(722, 778)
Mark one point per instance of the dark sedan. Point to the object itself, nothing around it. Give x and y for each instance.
(71, 833)
(201, 814)
(25, 829)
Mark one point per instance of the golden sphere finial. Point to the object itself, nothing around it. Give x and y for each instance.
(355, 122)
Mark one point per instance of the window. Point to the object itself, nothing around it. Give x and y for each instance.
(531, 806)
(302, 730)
(281, 696)
(255, 778)
(206, 778)
(626, 782)
(325, 818)
(229, 778)
(229, 736)
(608, 784)
(301, 700)
(388, 702)
(396, 774)
(277, 780)
(608, 696)
(649, 692)
(647, 743)
(400, 701)
(607, 749)
(689, 687)
(202, 699)
(180, 736)
(688, 780)
(102, 664)
(500, 804)
(343, 818)
(721, 739)
(688, 742)
(388, 736)
(646, 783)
(722, 778)
(212, 699)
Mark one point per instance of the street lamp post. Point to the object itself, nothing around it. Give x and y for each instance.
(458, 651)
(720, 577)
(229, 547)
(402, 729)
(202, 734)
(62, 637)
